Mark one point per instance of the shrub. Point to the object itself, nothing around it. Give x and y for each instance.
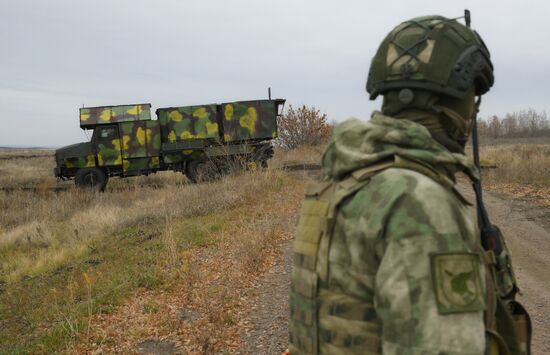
(303, 126)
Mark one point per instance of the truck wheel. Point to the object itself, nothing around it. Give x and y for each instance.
(202, 171)
(91, 178)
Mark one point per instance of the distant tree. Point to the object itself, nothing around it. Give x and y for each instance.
(494, 127)
(532, 119)
(303, 126)
(482, 128)
(510, 125)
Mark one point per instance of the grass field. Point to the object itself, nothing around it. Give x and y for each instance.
(518, 169)
(71, 261)
(518, 163)
(69, 255)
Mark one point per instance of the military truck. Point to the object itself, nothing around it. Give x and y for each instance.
(203, 141)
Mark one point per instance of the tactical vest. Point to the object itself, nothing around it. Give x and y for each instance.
(325, 322)
(507, 322)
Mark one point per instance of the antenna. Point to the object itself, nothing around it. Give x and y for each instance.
(467, 17)
(269, 92)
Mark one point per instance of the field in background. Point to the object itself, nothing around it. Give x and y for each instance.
(73, 265)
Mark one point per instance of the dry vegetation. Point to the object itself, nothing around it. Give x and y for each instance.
(303, 126)
(520, 169)
(302, 155)
(156, 244)
(25, 168)
(158, 258)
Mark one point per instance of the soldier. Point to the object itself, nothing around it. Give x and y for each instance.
(387, 257)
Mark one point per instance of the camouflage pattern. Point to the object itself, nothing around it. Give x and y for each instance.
(138, 164)
(183, 155)
(242, 120)
(134, 145)
(140, 145)
(92, 116)
(126, 140)
(246, 120)
(109, 148)
(379, 267)
(190, 122)
(75, 156)
(153, 138)
(80, 162)
(431, 53)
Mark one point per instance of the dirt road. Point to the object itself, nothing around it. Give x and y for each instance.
(527, 231)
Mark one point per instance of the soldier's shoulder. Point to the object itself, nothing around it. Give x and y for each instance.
(398, 187)
(399, 203)
(406, 180)
(404, 187)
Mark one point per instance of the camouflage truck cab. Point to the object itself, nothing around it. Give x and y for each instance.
(125, 142)
(200, 140)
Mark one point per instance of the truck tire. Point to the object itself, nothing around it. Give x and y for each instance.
(91, 178)
(202, 171)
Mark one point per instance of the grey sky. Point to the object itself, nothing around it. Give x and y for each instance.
(56, 56)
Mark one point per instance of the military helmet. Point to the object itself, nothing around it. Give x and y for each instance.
(431, 53)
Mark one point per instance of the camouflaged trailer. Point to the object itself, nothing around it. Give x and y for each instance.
(203, 141)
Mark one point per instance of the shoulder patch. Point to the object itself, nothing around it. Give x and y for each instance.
(456, 281)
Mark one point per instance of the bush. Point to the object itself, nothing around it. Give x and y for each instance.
(303, 126)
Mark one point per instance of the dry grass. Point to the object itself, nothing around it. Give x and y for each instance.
(517, 163)
(81, 272)
(41, 232)
(66, 256)
(521, 170)
(26, 168)
(301, 155)
(203, 311)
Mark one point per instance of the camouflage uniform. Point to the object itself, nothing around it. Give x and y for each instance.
(387, 258)
(377, 292)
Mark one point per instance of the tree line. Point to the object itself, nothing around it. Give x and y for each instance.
(306, 125)
(522, 124)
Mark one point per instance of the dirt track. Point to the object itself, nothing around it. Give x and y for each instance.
(527, 231)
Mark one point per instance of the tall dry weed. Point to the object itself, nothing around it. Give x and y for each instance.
(302, 155)
(517, 163)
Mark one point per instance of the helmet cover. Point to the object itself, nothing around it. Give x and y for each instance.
(431, 53)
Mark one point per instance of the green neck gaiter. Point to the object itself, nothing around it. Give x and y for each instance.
(447, 119)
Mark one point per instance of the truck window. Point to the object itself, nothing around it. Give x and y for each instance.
(104, 133)
(107, 132)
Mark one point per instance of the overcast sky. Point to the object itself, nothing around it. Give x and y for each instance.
(56, 56)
